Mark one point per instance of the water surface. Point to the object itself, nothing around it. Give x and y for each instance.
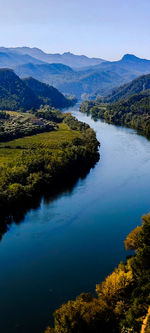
(72, 241)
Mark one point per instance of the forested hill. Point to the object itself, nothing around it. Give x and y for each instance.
(136, 86)
(47, 94)
(128, 105)
(16, 94)
(132, 112)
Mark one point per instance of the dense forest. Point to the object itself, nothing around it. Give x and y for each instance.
(31, 161)
(23, 95)
(139, 85)
(122, 299)
(132, 111)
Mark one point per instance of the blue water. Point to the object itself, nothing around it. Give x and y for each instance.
(71, 242)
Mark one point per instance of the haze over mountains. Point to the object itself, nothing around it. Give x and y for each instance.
(72, 74)
(67, 58)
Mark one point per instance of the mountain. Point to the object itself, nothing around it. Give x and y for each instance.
(18, 94)
(85, 82)
(47, 94)
(88, 82)
(69, 81)
(67, 58)
(9, 59)
(141, 84)
(14, 94)
(85, 85)
(129, 64)
(128, 105)
(43, 71)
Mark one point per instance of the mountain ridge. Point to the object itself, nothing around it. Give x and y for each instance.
(136, 86)
(66, 58)
(83, 82)
(16, 94)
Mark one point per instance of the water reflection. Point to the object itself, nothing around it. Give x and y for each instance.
(48, 195)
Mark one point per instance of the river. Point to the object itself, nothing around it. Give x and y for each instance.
(73, 240)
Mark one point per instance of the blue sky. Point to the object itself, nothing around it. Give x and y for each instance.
(101, 28)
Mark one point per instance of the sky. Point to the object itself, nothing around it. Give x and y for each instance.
(97, 28)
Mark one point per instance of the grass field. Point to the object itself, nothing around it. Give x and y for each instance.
(12, 150)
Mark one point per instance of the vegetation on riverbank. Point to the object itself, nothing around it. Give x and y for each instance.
(128, 105)
(122, 299)
(31, 163)
(133, 112)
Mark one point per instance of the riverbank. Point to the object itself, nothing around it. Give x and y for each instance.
(122, 298)
(32, 164)
(69, 242)
(131, 113)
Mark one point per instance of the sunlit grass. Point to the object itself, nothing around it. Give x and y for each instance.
(12, 150)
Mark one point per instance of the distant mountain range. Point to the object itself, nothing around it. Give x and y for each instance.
(67, 58)
(72, 74)
(16, 94)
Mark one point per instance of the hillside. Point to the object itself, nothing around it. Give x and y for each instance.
(128, 65)
(138, 85)
(127, 105)
(18, 94)
(53, 74)
(47, 94)
(68, 80)
(14, 94)
(133, 112)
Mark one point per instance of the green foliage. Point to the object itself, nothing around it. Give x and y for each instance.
(30, 163)
(49, 113)
(131, 241)
(18, 125)
(23, 95)
(115, 284)
(48, 95)
(85, 314)
(133, 112)
(137, 86)
(14, 94)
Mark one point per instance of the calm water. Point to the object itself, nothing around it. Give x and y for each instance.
(72, 242)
